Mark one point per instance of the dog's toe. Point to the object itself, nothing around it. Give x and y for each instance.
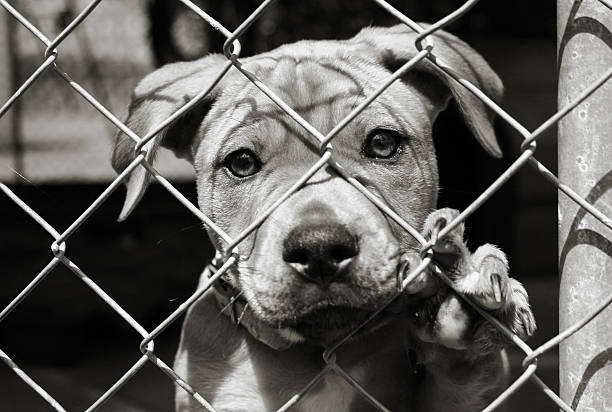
(488, 282)
(440, 218)
(523, 322)
(451, 251)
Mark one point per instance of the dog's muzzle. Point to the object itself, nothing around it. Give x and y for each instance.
(233, 304)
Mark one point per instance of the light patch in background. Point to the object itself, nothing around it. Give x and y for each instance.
(63, 138)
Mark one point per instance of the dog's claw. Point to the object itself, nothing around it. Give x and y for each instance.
(528, 323)
(496, 285)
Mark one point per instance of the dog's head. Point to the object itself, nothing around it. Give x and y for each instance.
(326, 257)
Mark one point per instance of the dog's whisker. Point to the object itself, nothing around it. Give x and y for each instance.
(246, 306)
(231, 302)
(176, 233)
(251, 270)
(248, 269)
(274, 220)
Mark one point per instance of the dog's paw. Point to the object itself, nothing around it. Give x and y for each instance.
(482, 277)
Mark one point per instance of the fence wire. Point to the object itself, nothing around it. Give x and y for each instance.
(427, 50)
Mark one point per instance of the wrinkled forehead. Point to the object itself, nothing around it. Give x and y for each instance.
(322, 90)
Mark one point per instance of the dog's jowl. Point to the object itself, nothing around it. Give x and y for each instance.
(327, 258)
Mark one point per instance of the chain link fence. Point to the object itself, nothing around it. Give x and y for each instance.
(51, 144)
(51, 61)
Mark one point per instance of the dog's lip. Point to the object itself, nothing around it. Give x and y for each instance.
(335, 303)
(333, 324)
(324, 313)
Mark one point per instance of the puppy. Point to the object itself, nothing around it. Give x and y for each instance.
(327, 258)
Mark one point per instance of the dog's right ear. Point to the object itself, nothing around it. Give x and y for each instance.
(156, 98)
(394, 46)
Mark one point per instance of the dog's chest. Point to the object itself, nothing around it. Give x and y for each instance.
(247, 389)
(332, 394)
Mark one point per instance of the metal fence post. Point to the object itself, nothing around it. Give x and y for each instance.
(584, 41)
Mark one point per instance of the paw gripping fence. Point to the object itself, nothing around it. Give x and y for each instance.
(427, 50)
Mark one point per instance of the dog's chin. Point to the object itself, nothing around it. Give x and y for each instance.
(327, 326)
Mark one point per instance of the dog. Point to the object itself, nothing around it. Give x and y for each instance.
(326, 259)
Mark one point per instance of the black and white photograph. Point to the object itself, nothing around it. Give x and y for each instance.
(310, 206)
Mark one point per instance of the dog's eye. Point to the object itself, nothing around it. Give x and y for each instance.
(242, 163)
(381, 144)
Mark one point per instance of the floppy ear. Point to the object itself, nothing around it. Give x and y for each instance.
(394, 46)
(155, 99)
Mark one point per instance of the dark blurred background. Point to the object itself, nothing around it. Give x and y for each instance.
(54, 151)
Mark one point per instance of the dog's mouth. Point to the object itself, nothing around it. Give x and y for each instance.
(303, 310)
(331, 324)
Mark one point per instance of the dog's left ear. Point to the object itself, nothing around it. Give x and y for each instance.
(394, 46)
(156, 98)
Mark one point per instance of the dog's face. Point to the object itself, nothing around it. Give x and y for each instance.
(327, 249)
(326, 257)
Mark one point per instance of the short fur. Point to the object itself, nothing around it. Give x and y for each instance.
(430, 352)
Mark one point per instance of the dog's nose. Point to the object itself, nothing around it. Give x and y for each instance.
(320, 252)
